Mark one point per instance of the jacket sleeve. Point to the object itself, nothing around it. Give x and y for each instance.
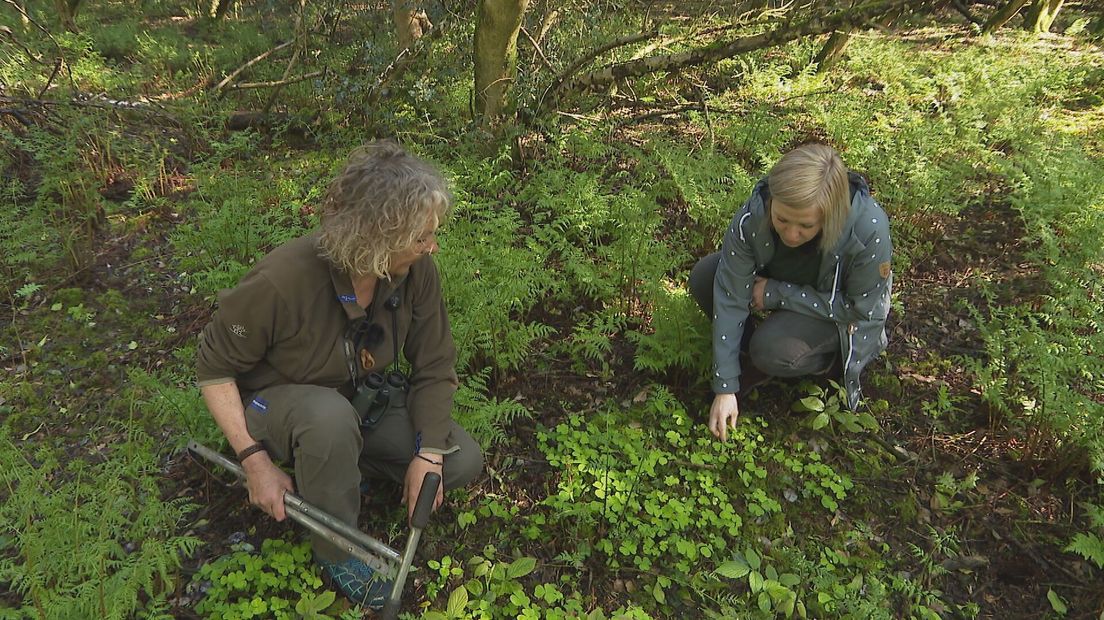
(731, 302)
(432, 355)
(863, 295)
(241, 331)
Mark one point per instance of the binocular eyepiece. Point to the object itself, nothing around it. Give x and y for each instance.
(377, 394)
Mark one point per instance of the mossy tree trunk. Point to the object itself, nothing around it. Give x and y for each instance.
(1040, 17)
(496, 32)
(1003, 14)
(832, 51)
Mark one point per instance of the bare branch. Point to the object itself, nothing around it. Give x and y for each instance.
(841, 20)
(537, 51)
(279, 83)
(258, 58)
(300, 45)
(402, 61)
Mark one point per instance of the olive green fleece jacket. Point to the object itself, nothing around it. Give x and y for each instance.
(289, 322)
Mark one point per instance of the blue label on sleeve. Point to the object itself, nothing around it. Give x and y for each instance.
(260, 404)
(347, 299)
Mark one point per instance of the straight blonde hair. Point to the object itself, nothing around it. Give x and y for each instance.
(378, 206)
(813, 176)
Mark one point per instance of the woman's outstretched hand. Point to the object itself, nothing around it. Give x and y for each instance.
(722, 415)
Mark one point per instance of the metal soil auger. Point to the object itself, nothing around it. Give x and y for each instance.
(372, 552)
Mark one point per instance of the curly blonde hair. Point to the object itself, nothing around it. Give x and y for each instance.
(813, 176)
(379, 205)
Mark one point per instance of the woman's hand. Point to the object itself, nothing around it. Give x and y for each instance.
(757, 291)
(722, 415)
(415, 475)
(267, 484)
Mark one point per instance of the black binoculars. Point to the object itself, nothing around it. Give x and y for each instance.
(377, 394)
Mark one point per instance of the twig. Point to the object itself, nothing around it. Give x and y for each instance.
(538, 51)
(17, 115)
(50, 80)
(26, 50)
(49, 35)
(300, 44)
(279, 83)
(402, 60)
(259, 58)
(546, 25)
(708, 118)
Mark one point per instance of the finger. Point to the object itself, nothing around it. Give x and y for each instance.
(278, 511)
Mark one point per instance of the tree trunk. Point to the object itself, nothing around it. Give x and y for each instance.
(1002, 15)
(410, 22)
(496, 32)
(832, 51)
(1040, 17)
(219, 8)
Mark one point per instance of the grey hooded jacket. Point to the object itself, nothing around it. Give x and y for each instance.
(852, 289)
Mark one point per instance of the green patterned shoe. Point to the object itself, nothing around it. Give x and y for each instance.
(357, 581)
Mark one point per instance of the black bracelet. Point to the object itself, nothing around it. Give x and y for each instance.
(250, 451)
(429, 460)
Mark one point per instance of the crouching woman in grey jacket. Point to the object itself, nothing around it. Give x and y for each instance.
(812, 249)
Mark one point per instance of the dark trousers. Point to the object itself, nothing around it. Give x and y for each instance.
(318, 431)
(784, 344)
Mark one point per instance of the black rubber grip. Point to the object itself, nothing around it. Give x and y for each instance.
(424, 507)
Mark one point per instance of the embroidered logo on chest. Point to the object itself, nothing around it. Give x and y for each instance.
(238, 330)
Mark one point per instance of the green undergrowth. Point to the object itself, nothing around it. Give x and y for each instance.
(564, 270)
(675, 521)
(88, 538)
(277, 581)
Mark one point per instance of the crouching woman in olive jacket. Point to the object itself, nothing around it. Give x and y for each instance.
(812, 249)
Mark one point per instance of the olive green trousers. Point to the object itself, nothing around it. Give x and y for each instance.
(318, 432)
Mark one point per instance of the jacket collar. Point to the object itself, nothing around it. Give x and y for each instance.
(346, 296)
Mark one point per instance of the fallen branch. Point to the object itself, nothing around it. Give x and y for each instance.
(300, 45)
(586, 59)
(257, 59)
(785, 33)
(278, 83)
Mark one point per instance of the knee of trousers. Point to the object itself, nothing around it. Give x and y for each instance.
(785, 357)
(464, 465)
(329, 428)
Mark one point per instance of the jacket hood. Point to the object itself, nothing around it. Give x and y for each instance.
(860, 202)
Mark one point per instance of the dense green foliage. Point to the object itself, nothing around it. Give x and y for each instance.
(582, 357)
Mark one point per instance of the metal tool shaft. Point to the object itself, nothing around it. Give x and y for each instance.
(349, 539)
